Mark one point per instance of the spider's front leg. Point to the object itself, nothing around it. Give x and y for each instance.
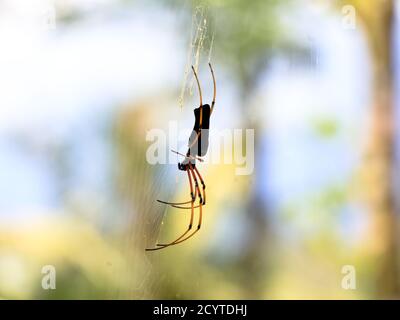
(193, 195)
(182, 237)
(202, 184)
(202, 195)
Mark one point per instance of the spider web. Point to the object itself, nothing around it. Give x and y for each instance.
(201, 40)
(149, 220)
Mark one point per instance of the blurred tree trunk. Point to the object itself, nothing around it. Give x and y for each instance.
(377, 17)
(254, 261)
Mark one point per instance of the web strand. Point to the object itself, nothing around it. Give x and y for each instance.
(198, 36)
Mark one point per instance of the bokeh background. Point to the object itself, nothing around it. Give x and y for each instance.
(81, 82)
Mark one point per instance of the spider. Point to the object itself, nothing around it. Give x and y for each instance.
(197, 148)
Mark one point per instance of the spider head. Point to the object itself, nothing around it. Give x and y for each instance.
(184, 165)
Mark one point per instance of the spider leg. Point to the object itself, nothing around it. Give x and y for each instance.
(198, 86)
(215, 87)
(179, 240)
(196, 184)
(204, 192)
(201, 108)
(202, 183)
(182, 207)
(193, 196)
(174, 203)
(190, 235)
(191, 216)
(188, 156)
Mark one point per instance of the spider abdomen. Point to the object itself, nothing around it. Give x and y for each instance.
(198, 140)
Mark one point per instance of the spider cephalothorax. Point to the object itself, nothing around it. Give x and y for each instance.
(197, 148)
